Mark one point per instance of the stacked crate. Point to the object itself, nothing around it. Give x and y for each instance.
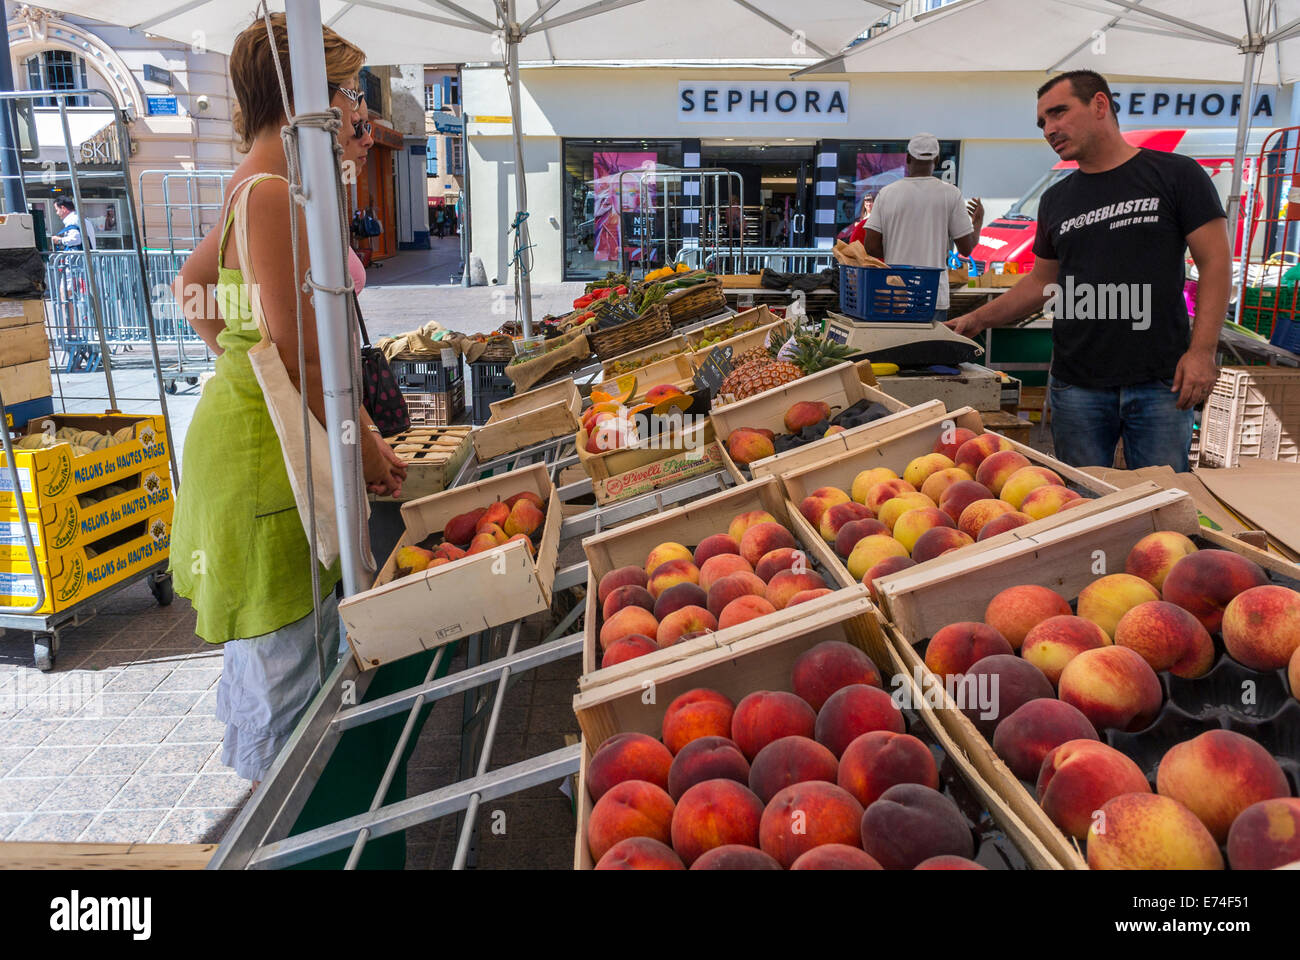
(24, 360)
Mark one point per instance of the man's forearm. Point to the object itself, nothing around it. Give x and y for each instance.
(1211, 310)
(1020, 301)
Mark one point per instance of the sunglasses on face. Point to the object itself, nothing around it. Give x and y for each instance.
(361, 129)
(354, 96)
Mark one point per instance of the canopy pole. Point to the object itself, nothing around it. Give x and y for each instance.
(328, 269)
(1251, 48)
(525, 287)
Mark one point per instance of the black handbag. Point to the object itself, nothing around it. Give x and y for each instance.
(380, 394)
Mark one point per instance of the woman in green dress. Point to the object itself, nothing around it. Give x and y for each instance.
(239, 551)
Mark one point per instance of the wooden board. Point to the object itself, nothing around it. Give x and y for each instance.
(432, 455)
(400, 617)
(23, 345)
(689, 524)
(672, 345)
(528, 418)
(25, 381)
(105, 856)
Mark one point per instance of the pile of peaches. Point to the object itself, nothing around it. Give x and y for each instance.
(824, 778)
(519, 517)
(1063, 678)
(972, 487)
(805, 422)
(610, 424)
(755, 568)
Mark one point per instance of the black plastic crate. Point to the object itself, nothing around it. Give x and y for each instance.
(489, 384)
(425, 376)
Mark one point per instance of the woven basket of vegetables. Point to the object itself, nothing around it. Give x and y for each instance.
(702, 299)
(651, 325)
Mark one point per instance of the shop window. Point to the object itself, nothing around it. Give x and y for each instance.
(454, 161)
(866, 166)
(57, 70)
(431, 156)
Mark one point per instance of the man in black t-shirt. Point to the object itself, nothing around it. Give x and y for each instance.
(1109, 267)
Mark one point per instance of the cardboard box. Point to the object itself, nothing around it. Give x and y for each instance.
(1213, 513)
(527, 419)
(26, 381)
(21, 313)
(1263, 492)
(24, 344)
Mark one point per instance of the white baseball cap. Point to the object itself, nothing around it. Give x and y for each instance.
(924, 146)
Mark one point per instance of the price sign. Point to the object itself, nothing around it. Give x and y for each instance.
(714, 369)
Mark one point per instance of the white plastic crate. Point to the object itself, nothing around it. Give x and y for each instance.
(1253, 413)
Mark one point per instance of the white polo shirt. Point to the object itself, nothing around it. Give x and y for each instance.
(919, 217)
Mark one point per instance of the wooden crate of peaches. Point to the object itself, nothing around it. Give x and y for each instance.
(784, 749)
(1149, 714)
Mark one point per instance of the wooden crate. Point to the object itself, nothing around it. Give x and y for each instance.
(399, 617)
(619, 474)
(674, 345)
(528, 418)
(46, 855)
(21, 313)
(764, 662)
(432, 455)
(761, 314)
(631, 543)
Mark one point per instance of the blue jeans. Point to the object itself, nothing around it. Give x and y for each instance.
(1088, 422)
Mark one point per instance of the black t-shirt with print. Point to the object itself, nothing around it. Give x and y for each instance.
(1120, 239)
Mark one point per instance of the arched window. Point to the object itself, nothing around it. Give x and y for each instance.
(57, 70)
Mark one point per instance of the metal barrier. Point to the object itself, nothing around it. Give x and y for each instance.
(755, 259)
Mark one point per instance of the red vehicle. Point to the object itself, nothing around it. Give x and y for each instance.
(1010, 238)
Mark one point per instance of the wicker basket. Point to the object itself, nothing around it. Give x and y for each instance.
(498, 351)
(695, 303)
(652, 325)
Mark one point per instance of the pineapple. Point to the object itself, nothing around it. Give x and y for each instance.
(758, 370)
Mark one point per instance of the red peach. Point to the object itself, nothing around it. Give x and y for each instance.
(790, 760)
(1106, 600)
(803, 596)
(628, 596)
(640, 853)
(867, 479)
(768, 715)
(870, 551)
(878, 760)
(1058, 640)
(995, 687)
(881, 493)
(838, 515)
(937, 541)
(1217, 775)
(1016, 610)
(706, 758)
(678, 596)
(746, 520)
(910, 823)
(742, 610)
(1203, 583)
(1078, 777)
(625, 623)
(623, 576)
(923, 467)
(724, 564)
(913, 523)
(936, 483)
(633, 808)
(787, 583)
(782, 558)
(807, 815)
(829, 666)
(763, 538)
(998, 467)
(628, 756)
(1003, 523)
(950, 440)
(1113, 687)
(806, 413)
(732, 588)
(719, 544)
(696, 713)
(853, 532)
(948, 862)
(974, 517)
(747, 446)
(978, 449)
(628, 648)
(835, 856)
(671, 573)
(663, 553)
(733, 856)
(685, 621)
(819, 501)
(892, 510)
(1046, 500)
(1167, 637)
(887, 566)
(1020, 483)
(1026, 737)
(1145, 831)
(1266, 835)
(854, 710)
(958, 496)
(1154, 556)
(714, 813)
(957, 647)
(1261, 627)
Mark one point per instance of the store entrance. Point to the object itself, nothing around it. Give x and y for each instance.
(778, 189)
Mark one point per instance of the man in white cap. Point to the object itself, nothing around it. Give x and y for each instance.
(916, 219)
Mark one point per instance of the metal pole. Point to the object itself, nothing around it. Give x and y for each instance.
(513, 37)
(10, 168)
(328, 268)
(1251, 49)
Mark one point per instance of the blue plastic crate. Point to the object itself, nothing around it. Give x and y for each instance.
(866, 293)
(1286, 333)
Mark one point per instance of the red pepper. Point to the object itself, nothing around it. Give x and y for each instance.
(622, 291)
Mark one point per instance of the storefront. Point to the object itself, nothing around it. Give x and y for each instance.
(375, 194)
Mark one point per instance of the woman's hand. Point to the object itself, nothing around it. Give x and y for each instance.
(384, 471)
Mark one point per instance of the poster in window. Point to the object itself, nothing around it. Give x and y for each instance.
(609, 208)
(874, 171)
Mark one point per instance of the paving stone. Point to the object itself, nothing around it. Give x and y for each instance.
(123, 826)
(113, 760)
(167, 704)
(11, 821)
(78, 794)
(109, 705)
(178, 758)
(10, 757)
(189, 680)
(224, 790)
(82, 731)
(144, 792)
(193, 826)
(197, 729)
(52, 761)
(139, 679)
(143, 731)
(51, 827)
(24, 795)
(25, 733)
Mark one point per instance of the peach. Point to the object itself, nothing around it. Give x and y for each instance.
(1002, 523)
(609, 433)
(625, 623)
(1026, 737)
(449, 551)
(746, 446)
(832, 430)
(957, 647)
(787, 583)
(851, 711)
(974, 517)
(803, 596)
(950, 440)
(880, 493)
(524, 518)
(696, 713)
(714, 813)
(869, 551)
(622, 577)
(790, 760)
(807, 815)
(744, 609)
(533, 498)
(628, 596)
(1167, 637)
(884, 568)
(628, 648)
(1016, 610)
(830, 666)
(839, 515)
(958, 496)
(782, 558)
(867, 479)
(665, 552)
(687, 620)
(895, 507)
(925, 466)
(628, 756)
(1106, 600)
(764, 538)
(1113, 687)
(1293, 674)
(806, 413)
(670, 573)
(1145, 831)
(717, 545)
(1078, 777)
(997, 469)
(497, 514)
(939, 481)
(733, 856)
(881, 759)
(856, 530)
(640, 853)
(1154, 556)
(746, 520)
(460, 528)
(1047, 500)
(835, 856)
(997, 686)
(1261, 627)
(912, 524)
(768, 715)
(678, 596)
(1020, 483)
(1058, 640)
(1217, 775)
(706, 758)
(633, 808)
(1203, 583)
(723, 565)
(937, 541)
(729, 589)
(910, 823)
(979, 448)
(821, 500)
(948, 862)
(1265, 835)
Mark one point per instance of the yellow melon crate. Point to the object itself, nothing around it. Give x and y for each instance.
(79, 573)
(127, 445)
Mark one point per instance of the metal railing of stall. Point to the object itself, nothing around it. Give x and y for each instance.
(755, 259)
(659, 232)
